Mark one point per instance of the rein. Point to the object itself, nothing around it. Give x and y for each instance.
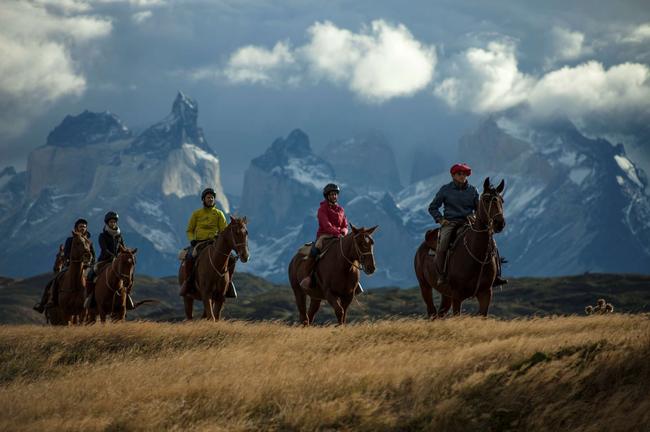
(357, 250)
(489, 254)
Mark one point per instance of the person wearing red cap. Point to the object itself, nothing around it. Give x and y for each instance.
(460, 200)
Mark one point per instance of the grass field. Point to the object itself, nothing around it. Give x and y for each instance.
(542, 374)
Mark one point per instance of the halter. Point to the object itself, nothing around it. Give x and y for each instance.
(225, 264)
(123, 277)
(358, 252)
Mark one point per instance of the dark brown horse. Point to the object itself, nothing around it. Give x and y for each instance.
(114, 283)
(213, 269)
(71, 285)
(59, 260)
(472, 265)
(336, 274)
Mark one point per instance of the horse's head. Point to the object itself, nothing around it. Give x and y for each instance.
(80, 249)
(490, 206)
(125, 264)
(239, 236)
(363, 244)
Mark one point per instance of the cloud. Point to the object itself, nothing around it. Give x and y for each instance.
(614, 100)
(638, 34)
(142, 16)
(257, 65)
(379, 63)
(485, 80)
(36, 64)
(566, 45)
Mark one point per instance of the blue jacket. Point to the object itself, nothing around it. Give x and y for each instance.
(459, 202)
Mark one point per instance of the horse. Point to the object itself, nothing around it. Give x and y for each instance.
(114, 284)
(214, 269)
(337, 274)
(59, 260)
(472, 265)
(71, 285)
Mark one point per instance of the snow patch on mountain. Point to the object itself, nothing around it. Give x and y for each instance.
(628, 168)
(162, 241)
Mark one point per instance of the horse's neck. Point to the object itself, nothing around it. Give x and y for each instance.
(479, 241)
(75, 270)
(221, 251)
(112, 275)
(347, 248)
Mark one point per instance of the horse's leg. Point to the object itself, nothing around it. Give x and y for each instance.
(189, 306)
(345, 303)
(301, 302)
(445, 305)
(484, 298)
(336, 304)
(455, 305)
(217, 307)
(427, 296)
(314, 305)
(207, 307)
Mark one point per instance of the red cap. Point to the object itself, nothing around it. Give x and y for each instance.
(461, 167)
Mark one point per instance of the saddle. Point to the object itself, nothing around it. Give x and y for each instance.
(305, 249)
(431, 238)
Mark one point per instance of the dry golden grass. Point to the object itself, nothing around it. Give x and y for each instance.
(572, 373)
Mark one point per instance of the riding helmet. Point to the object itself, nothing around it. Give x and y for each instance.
(79, 222)
(331, 187)
(111, 215)
(207, 191)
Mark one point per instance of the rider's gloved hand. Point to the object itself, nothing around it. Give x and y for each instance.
(444, 222)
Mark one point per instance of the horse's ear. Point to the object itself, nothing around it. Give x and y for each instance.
(486, 184)
(372, 229)
(501, 186)
(244, 220)
(73, 233)
(354, 229)
(61, 247)
(134, 251)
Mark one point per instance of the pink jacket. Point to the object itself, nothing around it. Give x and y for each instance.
(331, 220)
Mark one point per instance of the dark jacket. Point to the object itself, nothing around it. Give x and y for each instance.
(68, 247)
(109, 245)
(459, 202)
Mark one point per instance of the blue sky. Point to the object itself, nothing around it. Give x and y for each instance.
(420, 72)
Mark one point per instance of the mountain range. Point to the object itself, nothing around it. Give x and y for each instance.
(573, 204)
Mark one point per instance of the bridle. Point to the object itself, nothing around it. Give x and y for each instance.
(235, 246)
(358, 252)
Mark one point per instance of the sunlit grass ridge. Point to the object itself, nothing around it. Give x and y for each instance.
(460, 374)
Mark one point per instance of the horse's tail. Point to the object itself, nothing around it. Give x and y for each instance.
(143, 302)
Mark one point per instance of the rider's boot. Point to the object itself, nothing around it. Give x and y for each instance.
(441, 268)
(309, 262)
(40, 306)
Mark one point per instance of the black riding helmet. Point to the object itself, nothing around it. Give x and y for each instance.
(207, 191)
(111, 215)
(79, 222)
(331, 187)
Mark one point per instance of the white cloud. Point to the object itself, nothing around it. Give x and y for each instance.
(142, 16)
(614, 100)
(379, 63)
(36, 65)
(566, 44)
(485, 80)
(638, 34)
(589, 90)
(258, 65)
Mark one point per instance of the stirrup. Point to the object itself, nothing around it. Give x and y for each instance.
(499, 281)
(231, 292)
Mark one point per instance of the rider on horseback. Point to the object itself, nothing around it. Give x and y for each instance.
(460, 200)
(204, 225)
(110, 241)
(332, 223)
(47, 299)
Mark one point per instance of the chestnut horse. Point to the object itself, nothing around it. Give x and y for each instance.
(59, 260)
(336, 274)
(71, 285)
(113, 285)
(472, 265)
(213, 269)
